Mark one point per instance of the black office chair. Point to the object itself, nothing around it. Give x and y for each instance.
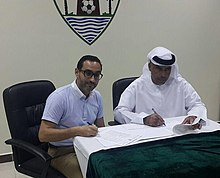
(117, 89)
(24, 104)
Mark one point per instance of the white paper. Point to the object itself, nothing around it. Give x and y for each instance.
(113, 137)
(127, 134)
(130, 133)
(187, 128)
(147, 132)
(183, 129)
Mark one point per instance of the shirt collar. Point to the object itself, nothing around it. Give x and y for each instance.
(78, 91)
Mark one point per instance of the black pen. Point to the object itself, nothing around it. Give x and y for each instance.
(154, 111)
(157, 114)
(89, 123)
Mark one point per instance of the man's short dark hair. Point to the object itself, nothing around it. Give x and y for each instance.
(89, 58)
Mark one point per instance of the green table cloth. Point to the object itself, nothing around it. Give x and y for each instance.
(193, 155)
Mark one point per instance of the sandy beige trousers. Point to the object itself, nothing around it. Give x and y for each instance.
(65, 160)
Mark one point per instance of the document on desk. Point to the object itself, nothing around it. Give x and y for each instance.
(113, 137)
(147, 132)
(127, 134)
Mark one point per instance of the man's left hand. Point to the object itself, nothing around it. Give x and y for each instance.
(190, 120)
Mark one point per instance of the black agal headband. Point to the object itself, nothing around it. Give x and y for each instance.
(164, 62)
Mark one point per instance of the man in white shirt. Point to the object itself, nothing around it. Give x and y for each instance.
(160, 92)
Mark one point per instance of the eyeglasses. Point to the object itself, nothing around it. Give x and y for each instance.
(89, 74)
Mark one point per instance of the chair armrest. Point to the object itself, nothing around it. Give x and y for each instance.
(111, 123)
(38, 152)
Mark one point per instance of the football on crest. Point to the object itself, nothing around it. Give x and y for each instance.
(88, 6)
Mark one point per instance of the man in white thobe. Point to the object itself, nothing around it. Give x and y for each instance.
(160, 92)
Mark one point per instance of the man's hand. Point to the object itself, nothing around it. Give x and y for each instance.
(190, 120)
(88, 130)
(50, 133)
(153, 120)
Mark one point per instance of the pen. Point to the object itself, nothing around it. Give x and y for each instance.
(154, 111)
(89, 123)
(157, 114)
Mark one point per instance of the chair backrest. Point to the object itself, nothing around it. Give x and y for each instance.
(24, 104)
(118, 87)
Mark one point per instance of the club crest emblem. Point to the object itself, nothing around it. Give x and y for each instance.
(88, 19)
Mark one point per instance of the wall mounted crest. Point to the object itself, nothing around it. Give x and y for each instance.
(87, 18)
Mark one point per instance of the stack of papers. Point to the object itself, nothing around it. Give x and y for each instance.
(127, 134)
(130, 133)
(114, 137)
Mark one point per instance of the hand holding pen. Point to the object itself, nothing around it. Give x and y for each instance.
(154, 119)
(88, 130)
(160, 118)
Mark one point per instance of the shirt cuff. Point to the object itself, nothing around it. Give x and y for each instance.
(139, 118)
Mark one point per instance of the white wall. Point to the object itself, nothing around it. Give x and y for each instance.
(37, 44)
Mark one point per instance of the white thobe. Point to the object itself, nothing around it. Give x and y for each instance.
(176, 98)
